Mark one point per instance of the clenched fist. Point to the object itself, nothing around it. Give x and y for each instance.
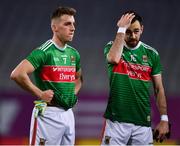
(47, 95)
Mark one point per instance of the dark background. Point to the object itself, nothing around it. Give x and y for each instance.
(24, 25)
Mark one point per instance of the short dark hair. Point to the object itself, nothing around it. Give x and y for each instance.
(137, 16)
(63, 11)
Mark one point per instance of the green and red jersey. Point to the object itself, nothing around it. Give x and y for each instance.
(130, 81)
(55, 69)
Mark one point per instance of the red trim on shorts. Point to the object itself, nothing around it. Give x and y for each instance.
(34, 132)
(103, 129)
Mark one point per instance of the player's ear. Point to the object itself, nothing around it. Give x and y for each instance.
(53, 27)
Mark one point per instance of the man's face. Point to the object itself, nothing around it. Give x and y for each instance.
(64, 28)
(133, 34)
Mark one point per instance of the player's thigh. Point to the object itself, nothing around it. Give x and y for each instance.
(50, 126)
(116, 133)
(69, 135)
(142, 135)
(68, 139)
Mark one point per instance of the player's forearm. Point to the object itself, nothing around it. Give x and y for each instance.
(115, 52)
(161, 102)
(24, 82)
(77, 88)
(78, 85)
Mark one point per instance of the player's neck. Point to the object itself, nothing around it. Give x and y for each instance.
(58, 42)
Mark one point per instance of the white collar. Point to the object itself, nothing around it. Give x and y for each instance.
(62, 49)
(137, 46)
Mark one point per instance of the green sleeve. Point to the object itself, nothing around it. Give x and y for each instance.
(107, 48)
(109, 65)
(78, 65)
(36, 58)
(157, 67)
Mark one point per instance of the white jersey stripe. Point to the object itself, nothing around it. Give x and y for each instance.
(150, 48)
(45, 45)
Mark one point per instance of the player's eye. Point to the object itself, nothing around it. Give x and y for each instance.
(128, 32)
(67, 23)
(136, 31)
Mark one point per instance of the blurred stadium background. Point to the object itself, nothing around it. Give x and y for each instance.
(26, 24)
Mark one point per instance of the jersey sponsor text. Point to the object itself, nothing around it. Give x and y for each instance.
(134, 71)
(58, 73)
